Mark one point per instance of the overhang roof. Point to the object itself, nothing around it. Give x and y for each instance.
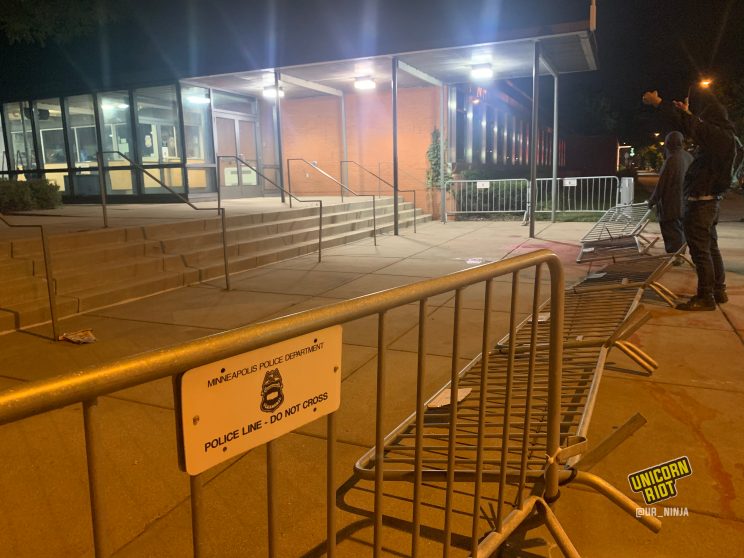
(570, 48)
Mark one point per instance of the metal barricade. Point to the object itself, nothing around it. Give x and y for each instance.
(588, 193)
(499, 377)
(488, 196)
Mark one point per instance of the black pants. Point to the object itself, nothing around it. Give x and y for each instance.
(673, 234)
(701, 218)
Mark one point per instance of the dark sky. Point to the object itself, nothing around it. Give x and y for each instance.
(659, 44)
(642, 44)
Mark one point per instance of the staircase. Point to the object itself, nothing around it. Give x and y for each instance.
(99, 268)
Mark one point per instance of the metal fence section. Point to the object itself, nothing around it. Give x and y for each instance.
(577, 195)
(505, 378)
(487, 196)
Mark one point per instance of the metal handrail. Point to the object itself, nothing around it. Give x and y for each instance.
(341, 185)
(86, 386)
(282, 190)
(220, 210)
(380, 179)
(48, 271)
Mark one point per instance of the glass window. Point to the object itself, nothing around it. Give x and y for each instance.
(51, 134)
(116, 127)
(157, 125)
(234, 103)
(201, 180)
(197, 125)
(20, 136)
(81, 131)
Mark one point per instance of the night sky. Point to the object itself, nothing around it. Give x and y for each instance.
(642, 44)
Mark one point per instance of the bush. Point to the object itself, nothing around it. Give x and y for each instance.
(32, 194)
(14, 196)
(45, 195)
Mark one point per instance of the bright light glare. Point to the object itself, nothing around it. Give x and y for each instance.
(110, 106)
(198, 100)
(705, 82)
(481, 71)
(270, 92)
(364, 83)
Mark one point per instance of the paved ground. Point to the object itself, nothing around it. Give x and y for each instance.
(693, 406)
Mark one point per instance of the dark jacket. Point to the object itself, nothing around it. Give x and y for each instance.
(713, 134)
(667, 196)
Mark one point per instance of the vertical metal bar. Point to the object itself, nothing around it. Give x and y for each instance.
(271, 498)
(68, 153)
(554, 191)
(90, 430)
(374, 220)
(51, 290)
(102, 187)
(320, 229)
(418, 450)
(452, 442)
(136, 174)
(379, 433)
(554, 379)
(344, 143)
(395, 144)
(196, 486)
(414, 210)
(278, 134)
(535, 128)
(38, 156)
(219, 183)
(485, 346)
(442, 184)
(530, 385)
(289, 182)
(331, 486)
(505, 429)
(223, 219)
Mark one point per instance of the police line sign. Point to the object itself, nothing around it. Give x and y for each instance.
(236, 404)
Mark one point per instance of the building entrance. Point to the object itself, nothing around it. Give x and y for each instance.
(237, 139)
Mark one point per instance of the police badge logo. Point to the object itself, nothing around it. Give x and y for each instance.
(272, 391)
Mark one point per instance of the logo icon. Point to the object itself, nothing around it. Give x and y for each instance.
(272, 391)
(658, 483)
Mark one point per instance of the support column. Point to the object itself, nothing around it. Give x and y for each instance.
(395, 144)
(442, 178)
(278, 131)
(554, 194)
(344, 145)
(533, 143)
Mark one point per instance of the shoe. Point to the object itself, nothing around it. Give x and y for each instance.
(720, 296)
(697, 304)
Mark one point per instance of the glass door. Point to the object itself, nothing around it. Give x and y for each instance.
(237, 139)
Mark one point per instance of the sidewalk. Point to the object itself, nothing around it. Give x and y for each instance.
(692, 405)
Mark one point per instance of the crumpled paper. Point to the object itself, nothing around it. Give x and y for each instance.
(80, 337)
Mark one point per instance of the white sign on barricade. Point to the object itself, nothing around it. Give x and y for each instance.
(570, 182)
(236, 404)
(482, 184)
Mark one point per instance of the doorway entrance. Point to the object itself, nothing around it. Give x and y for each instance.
(237, 138)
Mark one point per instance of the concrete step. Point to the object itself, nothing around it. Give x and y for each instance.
(22, 289)
(31, 312)
(15, 269)
(107, 273)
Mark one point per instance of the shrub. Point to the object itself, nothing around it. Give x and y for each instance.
(32, 194)
(14, 196)
(45, 194)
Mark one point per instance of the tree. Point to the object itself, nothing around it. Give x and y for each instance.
(38, 21)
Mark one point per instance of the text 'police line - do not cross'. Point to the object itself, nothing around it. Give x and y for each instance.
(238, 403)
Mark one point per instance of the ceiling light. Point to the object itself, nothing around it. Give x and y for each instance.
(197, 100)
(481, 71)
(270, 92)
(364, 83)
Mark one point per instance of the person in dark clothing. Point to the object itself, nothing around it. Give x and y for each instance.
(708, 175)
(667, 196)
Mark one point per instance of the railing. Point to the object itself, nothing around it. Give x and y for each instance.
(35, 398)
(282, 190)
(381, 180)
(577, 195)
(51, 291)
(488, 196)
(102, 184)
(342, 188)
